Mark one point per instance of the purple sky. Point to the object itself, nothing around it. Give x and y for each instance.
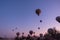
(21, 14)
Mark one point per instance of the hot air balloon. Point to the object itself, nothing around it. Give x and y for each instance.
(17, 33)
(38, 11)
(22, 33)
(58, 19)
(38, 27)
(12, 29)
(50, 31)
(16, 28)
(40, 20)
(30, 32)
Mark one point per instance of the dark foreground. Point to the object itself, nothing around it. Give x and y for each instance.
(52, 34)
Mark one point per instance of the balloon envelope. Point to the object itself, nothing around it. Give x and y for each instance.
(16, 28)
(38, 27)
(17, 33)
(31, 32)
(40, 20)
(12, 29)
(58, 19)
(22, 32)
(38, 11)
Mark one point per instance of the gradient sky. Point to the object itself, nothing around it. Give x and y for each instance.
(21, 14)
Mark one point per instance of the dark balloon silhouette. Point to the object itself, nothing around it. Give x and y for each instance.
(12, 29)
(16, 28)
(40, 20)
(38, 11)
(58, 19)
(22, 33)
(50, 31)
(31, 32)
(17, 33)
(17, 36)
(38, 27)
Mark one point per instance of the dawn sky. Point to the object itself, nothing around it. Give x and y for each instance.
(21, 14)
